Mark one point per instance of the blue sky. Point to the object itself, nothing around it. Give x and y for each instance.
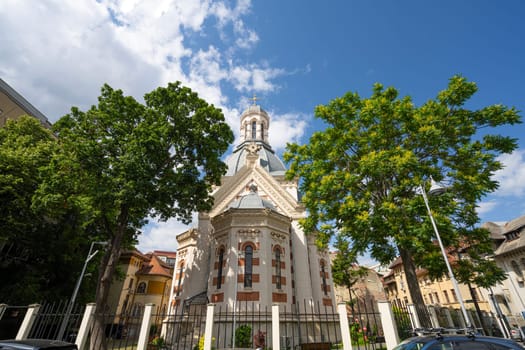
(293, 55)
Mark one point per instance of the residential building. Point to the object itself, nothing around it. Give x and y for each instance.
(143, 279)
(435, 292)
(509, 253)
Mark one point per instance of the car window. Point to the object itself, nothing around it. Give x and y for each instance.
(500, 347)
(460, 345)
(442, 346)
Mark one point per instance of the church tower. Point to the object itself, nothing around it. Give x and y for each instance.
(250, 246)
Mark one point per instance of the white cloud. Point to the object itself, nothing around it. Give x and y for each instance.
(62, 52)
(162, 235)
(485, 207)
(284, 128)
(512, 177)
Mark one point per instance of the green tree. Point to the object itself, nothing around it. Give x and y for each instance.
(38, 256)
(360, 176)
(345, 270)
(123, 161)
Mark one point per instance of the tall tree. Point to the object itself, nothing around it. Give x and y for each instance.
(123, 161)
(361, 176)
(38, 257)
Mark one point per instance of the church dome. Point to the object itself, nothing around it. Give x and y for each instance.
(267, 160)
(252, 201)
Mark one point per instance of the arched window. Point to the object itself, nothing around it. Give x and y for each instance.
(248, 265)
(219, 274)
(254, 130)
(262, 131)
(323, 276)
(278, 268)
(141, 288)
(179, 282)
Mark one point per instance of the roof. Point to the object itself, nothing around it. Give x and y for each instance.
(13, 105)
(252, 201)
(155, 267)
(511, 235)
(268, 160)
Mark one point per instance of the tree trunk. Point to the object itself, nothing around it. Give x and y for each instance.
(107, 269)
(414, 289)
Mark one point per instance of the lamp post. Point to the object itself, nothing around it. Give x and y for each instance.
(435, 189)
(71, 303)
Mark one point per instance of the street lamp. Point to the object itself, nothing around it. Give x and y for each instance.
(65, 321)
(436, 189)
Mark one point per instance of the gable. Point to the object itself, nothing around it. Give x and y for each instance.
(268, 188)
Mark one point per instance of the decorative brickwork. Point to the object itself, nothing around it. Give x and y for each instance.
(327, 302)
(279, 298)
(248, 296)
(217, 298)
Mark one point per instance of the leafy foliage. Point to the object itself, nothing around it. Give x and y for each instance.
(243, 336)
(361, 176)
(39, 257)
(122, 161)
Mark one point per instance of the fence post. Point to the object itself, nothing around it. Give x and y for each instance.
(389, 324)
(85, 326)
(208, 328)
(433, 316)
(27, 323)
(276, 345)
(414, 316)
(345, 329)
(144, 327)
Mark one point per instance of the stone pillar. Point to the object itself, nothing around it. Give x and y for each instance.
(208, 330)
(27, 323)
(345, 329)
(389, 324)
(85, 326)
(275, 328)
(144, 328)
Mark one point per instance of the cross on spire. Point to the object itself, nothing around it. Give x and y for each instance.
(254, 99)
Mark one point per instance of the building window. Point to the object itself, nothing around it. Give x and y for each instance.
(446, 296)
(278, 268)
(453, 292)
(254, 130)
(219, 274)
(141, 288)
(262, 131)
(179, 282)
(248, 265)
(323, 276)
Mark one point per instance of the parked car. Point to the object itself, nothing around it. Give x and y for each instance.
(36, 344)
(457, 342)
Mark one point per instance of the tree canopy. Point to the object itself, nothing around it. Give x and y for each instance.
(122, 161)
(39, 258)
(361, 176)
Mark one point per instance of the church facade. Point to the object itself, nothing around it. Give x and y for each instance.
(250, 246)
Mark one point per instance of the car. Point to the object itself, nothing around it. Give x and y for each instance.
(36, 344)
(468, 341)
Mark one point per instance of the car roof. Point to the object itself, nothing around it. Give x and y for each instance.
(463, 337)
(31, 344)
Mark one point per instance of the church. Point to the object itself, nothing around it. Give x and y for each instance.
(250, 247)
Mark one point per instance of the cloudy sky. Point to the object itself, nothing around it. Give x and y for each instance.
(293, 55)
